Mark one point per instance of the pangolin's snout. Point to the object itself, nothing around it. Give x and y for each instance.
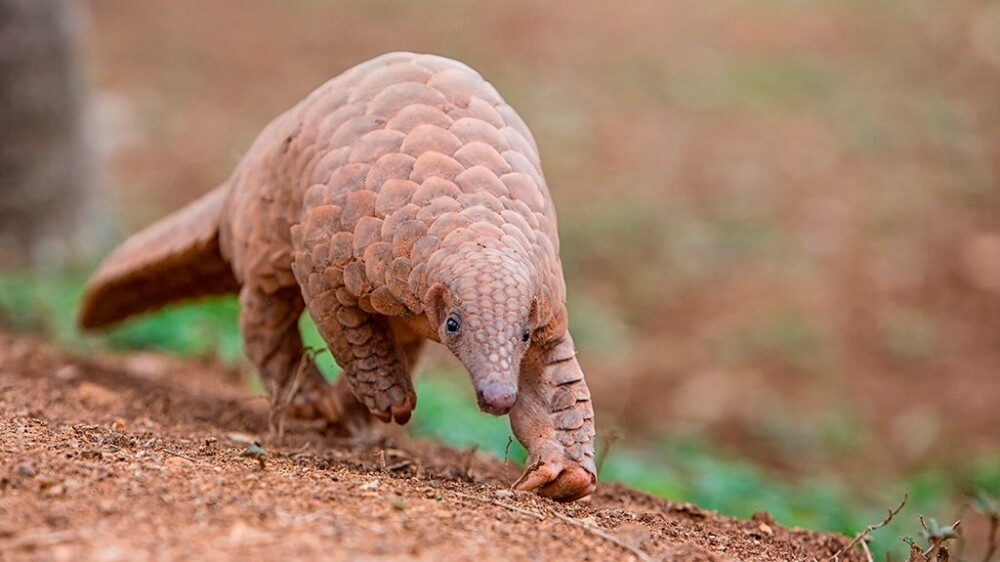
(496, 398)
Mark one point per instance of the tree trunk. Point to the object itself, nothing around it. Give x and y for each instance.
(47, 192)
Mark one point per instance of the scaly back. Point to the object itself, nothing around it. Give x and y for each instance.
(401, 162)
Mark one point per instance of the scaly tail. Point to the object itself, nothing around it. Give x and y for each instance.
(176, 258)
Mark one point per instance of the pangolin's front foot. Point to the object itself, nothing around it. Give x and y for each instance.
(554, 419)
(388, 396)
(552, 473)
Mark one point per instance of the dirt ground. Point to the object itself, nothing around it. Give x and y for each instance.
(141, 457)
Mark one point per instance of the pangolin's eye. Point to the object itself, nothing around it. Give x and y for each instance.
(525, 336)
(452, 324)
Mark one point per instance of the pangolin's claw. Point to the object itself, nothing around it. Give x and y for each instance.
(383, 416)
(401, 414)
(395, 404)
(553, 475)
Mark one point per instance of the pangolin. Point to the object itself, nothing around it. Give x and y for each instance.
(401, 201)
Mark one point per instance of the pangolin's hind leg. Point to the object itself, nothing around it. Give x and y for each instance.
(269, 321)
(336, 403)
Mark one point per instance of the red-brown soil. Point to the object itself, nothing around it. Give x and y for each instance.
(141, 457)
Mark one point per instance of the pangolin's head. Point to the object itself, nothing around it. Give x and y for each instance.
(487, 305)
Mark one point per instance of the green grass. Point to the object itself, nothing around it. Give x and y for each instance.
(681, 469)
(446, 411)
(47, 304)
(43, 304)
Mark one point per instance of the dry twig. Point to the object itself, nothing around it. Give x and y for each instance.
(990, 508)
(181, 455)
(398, 466)
(860, 537)
(991, 547)
(937, 536)
(642, 556)
(600, 533)
(280, 404)
(37, 540)
(506, 465)
(610, 439)
(868, 552)
(499, 503)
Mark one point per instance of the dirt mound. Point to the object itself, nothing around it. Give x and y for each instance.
(140, 457)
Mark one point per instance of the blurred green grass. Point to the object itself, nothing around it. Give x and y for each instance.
(680, 468)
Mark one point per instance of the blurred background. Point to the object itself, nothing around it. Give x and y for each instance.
(780, 221)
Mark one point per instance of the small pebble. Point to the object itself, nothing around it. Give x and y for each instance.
(67, 373)
(46, 482)
(97, 396)
(107, 507)
(398, 503)
(175, 463)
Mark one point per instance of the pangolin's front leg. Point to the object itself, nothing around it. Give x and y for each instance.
(373, 363)
(269, 322)
(554, 419)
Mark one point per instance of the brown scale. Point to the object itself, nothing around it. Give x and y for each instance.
(400, 202)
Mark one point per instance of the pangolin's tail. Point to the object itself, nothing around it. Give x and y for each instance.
(176, 258)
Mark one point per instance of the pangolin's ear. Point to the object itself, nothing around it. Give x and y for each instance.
(548, 318)
(535, 316)
(435, 305)
(541, 308)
